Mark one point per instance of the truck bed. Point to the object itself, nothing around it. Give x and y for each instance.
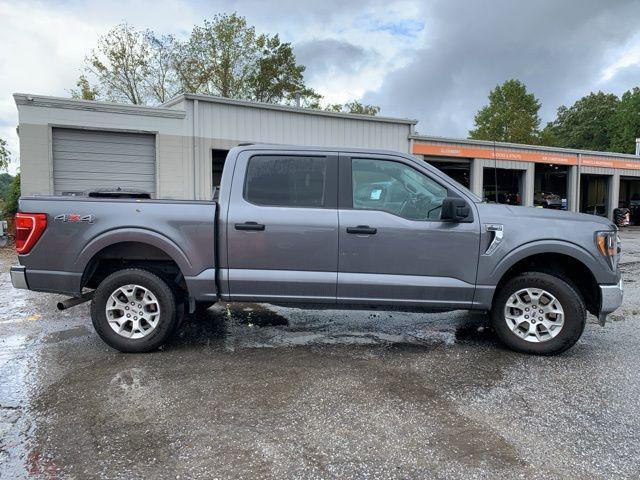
(82, 231)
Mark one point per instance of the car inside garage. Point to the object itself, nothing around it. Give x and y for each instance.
(502, 185)
(550, 186)
(629, 197)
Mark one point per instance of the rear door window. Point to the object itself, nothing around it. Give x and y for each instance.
(295, 181)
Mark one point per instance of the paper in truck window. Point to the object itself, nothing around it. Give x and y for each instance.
(375, 194)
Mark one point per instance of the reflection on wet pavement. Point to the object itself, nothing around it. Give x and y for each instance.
(250, 390)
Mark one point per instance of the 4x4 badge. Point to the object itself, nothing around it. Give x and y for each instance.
(74, 218)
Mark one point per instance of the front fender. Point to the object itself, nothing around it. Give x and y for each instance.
(491, 270)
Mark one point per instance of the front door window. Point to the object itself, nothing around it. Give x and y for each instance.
(395, 188)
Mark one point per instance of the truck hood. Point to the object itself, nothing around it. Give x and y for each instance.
(554, 219)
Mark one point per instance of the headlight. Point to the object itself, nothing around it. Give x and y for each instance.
(608, 244)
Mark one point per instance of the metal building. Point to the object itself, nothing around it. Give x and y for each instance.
(529, 175)
(175, 150)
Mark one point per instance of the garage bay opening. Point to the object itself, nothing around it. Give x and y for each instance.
(630, 197)
(458, 169)
(594, 194)
(509, 188)
(550, 186)
(217, 163)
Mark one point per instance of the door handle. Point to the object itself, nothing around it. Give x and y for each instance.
(362, 230)
(249, 226)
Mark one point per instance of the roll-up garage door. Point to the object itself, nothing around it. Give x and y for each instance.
(89, 159)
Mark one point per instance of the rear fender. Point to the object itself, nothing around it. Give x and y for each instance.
(134, 235)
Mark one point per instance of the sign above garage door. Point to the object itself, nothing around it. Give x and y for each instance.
(89, 159)
(445, 150)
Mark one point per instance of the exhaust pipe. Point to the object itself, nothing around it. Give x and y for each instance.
(74, 301)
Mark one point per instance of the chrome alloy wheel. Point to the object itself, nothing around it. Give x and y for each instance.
(534, 315)
(133, 311)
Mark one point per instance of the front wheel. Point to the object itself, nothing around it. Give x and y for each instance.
(134, 310)
(538, 313)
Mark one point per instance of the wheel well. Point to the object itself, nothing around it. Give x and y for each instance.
(129, 255)
(564, 266)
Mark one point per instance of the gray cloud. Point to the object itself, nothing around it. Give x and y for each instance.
(557, 48)
(322, 57)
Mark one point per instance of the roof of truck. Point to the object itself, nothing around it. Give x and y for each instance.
(315, 148)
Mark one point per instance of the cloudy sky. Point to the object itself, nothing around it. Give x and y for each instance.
(430, 60)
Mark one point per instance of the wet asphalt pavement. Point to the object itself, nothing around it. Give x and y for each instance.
(264, 392)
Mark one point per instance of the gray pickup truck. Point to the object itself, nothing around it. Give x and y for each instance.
(321, 227)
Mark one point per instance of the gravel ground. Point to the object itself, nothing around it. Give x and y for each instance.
(254, 391)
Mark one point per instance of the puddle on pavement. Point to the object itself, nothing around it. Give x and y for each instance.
(62, 335)
(234, 326)
(253, 314)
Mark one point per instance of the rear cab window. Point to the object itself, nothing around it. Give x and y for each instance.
(288, 181)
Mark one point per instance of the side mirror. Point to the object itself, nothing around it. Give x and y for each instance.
(455, 210)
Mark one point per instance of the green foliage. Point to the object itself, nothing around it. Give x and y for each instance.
(354, 107)
(587, 124)
(161, 81)
(5, 184)
(511, 116)
(5, 155)
(85, 91)
(12, 197)
(224, 56)
(121, 64)
(626, 122)
(219, 57)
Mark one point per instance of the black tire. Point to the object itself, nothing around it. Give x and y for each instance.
(567, 294)
(168, 316)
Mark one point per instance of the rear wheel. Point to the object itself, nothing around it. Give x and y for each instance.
(538, 313)
(134, 310)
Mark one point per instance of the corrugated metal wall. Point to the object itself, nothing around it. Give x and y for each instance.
(244, 123)
(89, 159)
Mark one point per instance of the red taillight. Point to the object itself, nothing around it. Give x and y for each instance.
(29, 228)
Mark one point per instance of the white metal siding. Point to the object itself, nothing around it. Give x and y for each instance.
(242, 123)
(88, 159)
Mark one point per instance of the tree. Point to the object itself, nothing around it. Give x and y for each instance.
(224, 56)
(511, 116)
(218, 57)
(5, 155)
(626, 122)
(85, 91)
(11, 200)
(121, 64)
(354, 107)
(587, 124)
(161, 81)
(5, 184)
(278, 77)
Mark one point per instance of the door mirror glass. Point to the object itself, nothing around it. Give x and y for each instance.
(456, 210)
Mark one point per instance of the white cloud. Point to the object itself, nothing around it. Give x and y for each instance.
(625, 57)
(43, 44)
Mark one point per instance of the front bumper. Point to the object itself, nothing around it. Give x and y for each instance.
(610, 300)
(19, 277)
